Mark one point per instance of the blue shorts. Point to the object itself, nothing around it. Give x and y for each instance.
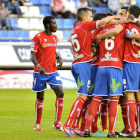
(82, 75)
(131, 77)
(109, 82)
(94, 69)
(40, 81)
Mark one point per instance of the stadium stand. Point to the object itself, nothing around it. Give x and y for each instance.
(25, 27)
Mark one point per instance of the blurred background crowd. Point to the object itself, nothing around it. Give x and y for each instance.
(20, 20)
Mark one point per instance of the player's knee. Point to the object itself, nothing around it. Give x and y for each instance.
(60, 94)
(40, 95)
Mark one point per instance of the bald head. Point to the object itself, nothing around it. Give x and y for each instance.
(83, 12)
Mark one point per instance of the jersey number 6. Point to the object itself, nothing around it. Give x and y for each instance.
(111, 42)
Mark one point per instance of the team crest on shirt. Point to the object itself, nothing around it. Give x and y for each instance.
(44, 45)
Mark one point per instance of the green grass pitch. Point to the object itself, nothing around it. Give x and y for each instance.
(17, 115)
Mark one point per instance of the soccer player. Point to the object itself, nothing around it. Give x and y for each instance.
(81, 43)
(109, 81)
(131, 69)
(44, 56)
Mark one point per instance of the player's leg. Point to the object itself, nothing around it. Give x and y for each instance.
(115, 85)
(130, 81)
(39, 85)
(82, 75)
(59, 106)
(56, 84)
(99, 90)
(122, 102)
(104, 115)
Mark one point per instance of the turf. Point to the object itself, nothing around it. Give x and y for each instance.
(17, 115)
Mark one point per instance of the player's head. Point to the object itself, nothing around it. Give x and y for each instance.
(123, 11)
(49, 23)
(134, 10)
(84, 14)
(109, 14)
(97, 16)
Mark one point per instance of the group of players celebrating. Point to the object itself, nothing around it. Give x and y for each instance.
(106, 68)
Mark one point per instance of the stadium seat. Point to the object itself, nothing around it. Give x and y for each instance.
(59, 34)
(12, 35)
(35, 2)
(32, 34)
(46, 11)
(24, 35)
(3, 36)
(59, 24)
(93, 4)
(68, 24)
(99, 10)
(25, 11)
(45, 2)
(67, 34)
(34, 23)
(14, 23)
(104, 5)
(23, 23)
(34, 11)
(107, 10)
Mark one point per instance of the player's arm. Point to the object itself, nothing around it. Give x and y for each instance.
(35, 62)
(131, 35)
(136, 20)
(106, 20)
(59, 60)
(111, 32)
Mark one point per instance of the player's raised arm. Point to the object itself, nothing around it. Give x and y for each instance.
(35, 62)
(106, 20)
(59, 60)
(111, 32)
(136, 20)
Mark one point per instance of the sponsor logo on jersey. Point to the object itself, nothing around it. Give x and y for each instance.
(108, 57)
(76, 56)
(32, 44)
(114, 86)
(137, 55)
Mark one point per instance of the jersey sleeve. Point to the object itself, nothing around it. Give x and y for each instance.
(35, 44)
(90, 25)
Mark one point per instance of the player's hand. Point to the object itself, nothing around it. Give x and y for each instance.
(125, 20)
(98, 40)
(132, 17)
(59, 62)
(41, 71)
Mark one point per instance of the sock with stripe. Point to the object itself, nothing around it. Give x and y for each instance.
(124, 117)
(131, 110)
(93, 107)
(59, 108)
(84, 115)
(75, 109)
(103, 115)
(138, 114)
(94, 127)
(113, 110)
(39, 109)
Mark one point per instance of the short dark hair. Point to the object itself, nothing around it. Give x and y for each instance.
(134, 10)
(81, 11)
(97, 16)
(47, 20)
(109, 14)
(125, 8)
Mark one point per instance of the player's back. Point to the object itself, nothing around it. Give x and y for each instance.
(112, 49)
(132, 51)
(81, 40)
